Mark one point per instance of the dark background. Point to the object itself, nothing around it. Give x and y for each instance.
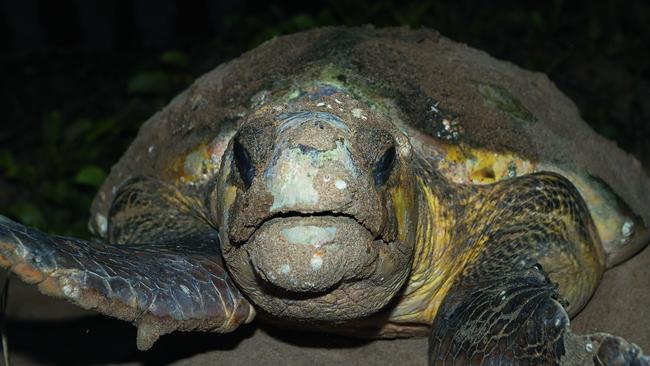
(79, 77)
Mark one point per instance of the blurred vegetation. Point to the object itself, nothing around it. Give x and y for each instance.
(71, 113)
(54, 180)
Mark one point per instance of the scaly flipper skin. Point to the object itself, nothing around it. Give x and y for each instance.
(505, 309)
(166, 281)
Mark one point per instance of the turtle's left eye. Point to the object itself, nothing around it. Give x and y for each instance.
(383, 166)
(243, 163)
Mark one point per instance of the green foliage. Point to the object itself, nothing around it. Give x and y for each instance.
(162, 79)
(412, 14)
(28, 214)
(57, 174)
(175, 58)
(90, 175)
(296, 23)
(339, 12)
(21, 172)
(150, 82)
(59, 192)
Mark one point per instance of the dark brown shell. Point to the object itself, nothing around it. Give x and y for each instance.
(494, 105)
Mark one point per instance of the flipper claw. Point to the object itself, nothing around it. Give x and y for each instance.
(611, 350)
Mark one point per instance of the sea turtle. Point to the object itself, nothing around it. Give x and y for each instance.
(370, 182)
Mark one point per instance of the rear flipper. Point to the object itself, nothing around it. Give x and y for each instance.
(517, 318)
(174, 284)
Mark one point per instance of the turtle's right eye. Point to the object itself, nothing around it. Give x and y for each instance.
(384, 166)
(243, 163)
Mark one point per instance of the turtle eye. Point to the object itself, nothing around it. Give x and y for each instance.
(243, 163)
(383, 166)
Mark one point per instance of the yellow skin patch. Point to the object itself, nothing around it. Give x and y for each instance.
(189, 168)
(202, 163)
(464, 164)
(402, 200)
(429, 281)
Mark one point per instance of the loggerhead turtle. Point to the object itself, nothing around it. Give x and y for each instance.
(377, 183)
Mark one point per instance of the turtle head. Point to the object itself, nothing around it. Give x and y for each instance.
(317, 208)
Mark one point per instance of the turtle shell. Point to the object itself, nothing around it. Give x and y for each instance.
(477, 118)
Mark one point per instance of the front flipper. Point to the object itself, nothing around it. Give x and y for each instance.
(528, 234)
(177, 284)
(517, 318)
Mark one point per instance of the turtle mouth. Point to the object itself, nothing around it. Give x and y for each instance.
(241, 238)
(323, 214)
(302, 254)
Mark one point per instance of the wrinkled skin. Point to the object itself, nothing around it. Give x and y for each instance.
(306, 200)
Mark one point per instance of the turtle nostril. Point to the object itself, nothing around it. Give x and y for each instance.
(243, 163)
(384, 165)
